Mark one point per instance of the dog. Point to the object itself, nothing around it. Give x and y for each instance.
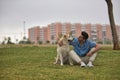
(63, 49)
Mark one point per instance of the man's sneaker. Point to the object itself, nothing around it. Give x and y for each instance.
(90, 64)
(83, 64)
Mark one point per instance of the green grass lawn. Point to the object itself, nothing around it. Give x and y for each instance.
(36, 63)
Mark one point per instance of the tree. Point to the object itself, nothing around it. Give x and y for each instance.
(5, 40)
(24, 38)
(16, 40)
(112, 24)
(9, 41)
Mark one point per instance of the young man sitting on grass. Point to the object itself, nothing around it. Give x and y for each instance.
(85, 51)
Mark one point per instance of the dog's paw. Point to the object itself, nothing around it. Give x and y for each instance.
(54, 63)
(71, 64)
(61, 64)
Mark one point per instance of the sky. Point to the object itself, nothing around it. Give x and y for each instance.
(13, 13)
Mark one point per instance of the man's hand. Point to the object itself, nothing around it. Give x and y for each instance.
(60, 43)
(89, 54)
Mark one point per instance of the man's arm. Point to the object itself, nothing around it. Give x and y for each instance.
(97, 47)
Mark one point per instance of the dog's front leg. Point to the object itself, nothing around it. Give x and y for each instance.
(61, 60)
(70, 61)
(57, 58)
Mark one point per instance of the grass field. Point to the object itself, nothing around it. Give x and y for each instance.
(36, 63)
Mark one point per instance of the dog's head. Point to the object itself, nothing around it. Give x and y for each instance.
(70, 37)
(64, 38)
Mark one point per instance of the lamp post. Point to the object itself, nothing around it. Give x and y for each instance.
(24, 37)
(24, 28)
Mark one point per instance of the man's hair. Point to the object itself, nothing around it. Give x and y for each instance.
(85, 35)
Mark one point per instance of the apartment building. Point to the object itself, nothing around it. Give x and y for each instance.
(43, 35)
(34, 34)
(51, 31)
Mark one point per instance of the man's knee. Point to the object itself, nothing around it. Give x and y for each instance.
(74, 56)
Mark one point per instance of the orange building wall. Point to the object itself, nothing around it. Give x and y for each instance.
(68, 27)
(78, 29)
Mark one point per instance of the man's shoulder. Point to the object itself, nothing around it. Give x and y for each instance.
(75, 38)
(90, 41)
(74, 41)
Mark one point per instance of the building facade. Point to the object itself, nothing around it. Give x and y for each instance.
(97, 32)
(34, 34)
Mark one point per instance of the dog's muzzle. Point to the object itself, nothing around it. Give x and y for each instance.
(70, 38)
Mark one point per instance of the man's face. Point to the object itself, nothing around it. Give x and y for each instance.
(81, 38)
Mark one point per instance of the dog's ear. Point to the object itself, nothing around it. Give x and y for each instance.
(65, 35)
(70, 33)
(60, 35)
